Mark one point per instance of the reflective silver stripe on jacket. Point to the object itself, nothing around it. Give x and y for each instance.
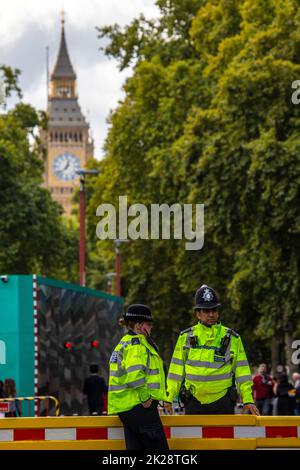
(120, 372)
(148, 358)
(154, 386)
(179, 362)
(208, 378)
(134, 368)
(227, 352)
(241, 363)
(114, 388)
(209, 365)
(227, 356)
(116, 373)
(243, 378)
(125, 343)
(175, 377)
(134, 384)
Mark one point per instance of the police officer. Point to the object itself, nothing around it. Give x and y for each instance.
(137, 383)
(209, 359)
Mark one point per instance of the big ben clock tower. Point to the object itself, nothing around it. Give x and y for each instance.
(67, 138)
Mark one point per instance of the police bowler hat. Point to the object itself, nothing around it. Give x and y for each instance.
(138, 313)
(206, 298)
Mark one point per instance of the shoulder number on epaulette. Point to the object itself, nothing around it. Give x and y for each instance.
(186, 331)
(135, 341)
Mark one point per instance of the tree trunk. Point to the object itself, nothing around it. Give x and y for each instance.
(275, 354)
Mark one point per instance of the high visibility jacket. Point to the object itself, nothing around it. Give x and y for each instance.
(207, 374)
(136, 374)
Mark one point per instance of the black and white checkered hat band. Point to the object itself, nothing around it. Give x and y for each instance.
(139, 315)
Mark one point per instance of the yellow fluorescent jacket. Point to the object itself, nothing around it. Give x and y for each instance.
(207, 375)
(136, 374)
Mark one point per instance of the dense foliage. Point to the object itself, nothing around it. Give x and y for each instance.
(207, 117)
(34, 238)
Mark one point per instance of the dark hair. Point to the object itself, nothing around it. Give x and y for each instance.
(94, 369)
(129, 324)
(9, 388)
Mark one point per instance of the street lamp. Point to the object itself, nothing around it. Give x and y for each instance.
(82, 174)
(118, 265)
(109, 277)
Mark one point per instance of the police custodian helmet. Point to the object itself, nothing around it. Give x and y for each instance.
(138, 313)
(206, 298)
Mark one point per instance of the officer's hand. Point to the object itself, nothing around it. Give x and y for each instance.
(148, 403)
(252, 408)
(168, 407)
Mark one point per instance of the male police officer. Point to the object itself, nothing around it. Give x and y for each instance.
(207, 360)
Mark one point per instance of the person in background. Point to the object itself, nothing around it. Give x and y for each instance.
(263, 390)
(296, 383)
(9, 391)
(297, 397)
(296, 379)
(280, 369)
(95, 387)
(284, 390)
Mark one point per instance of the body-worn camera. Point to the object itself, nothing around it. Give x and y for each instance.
(225, 343)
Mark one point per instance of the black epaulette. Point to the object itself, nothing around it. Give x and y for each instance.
(235, 334)
(186, 331)
(135, 341)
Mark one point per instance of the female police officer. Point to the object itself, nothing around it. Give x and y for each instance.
(137, 382)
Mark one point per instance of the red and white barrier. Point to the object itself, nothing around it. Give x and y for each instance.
(116, 433)
(183, 432)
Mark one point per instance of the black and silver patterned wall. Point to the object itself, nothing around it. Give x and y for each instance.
(79, 317)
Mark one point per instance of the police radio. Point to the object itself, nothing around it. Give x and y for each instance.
(193, 341)
(225, 343)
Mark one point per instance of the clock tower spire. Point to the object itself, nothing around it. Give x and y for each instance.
(67, 138)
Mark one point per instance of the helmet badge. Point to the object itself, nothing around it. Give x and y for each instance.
(207, 295)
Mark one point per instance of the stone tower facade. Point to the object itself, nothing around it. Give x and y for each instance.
(67, 138)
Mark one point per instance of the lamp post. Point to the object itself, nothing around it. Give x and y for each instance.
(108, 281)
(118, 265)
(82, 173)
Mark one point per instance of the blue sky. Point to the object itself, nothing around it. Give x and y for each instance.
(27, 28)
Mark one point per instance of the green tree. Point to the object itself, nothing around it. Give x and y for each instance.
(207, 118)
(33, 235)
(252, 155)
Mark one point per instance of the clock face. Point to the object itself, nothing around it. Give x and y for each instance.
(65, 166)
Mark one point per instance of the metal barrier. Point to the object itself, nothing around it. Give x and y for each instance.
(38, 399)
(240, 432)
